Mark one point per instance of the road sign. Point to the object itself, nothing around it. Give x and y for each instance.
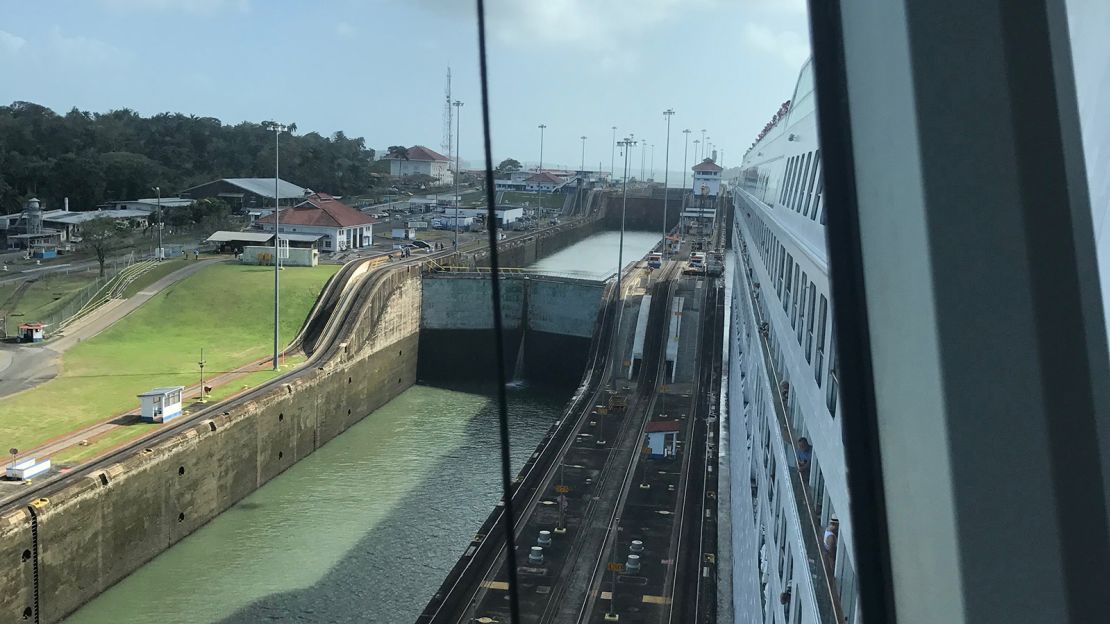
(616, 567)
(562, 489)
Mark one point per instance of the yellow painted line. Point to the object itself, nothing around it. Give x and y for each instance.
(495, 585)
(662, 600)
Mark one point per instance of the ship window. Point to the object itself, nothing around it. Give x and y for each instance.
(809, 329)
(781, 269)
(801, 308)
(833, 385)
(812, 179)
(786, 295)
(820, 196)
(819, 364)
(803, 174)
(797, 293)
(786, 180)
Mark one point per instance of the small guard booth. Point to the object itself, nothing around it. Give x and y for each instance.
(31, 332)
(161, 404)
(661, 438)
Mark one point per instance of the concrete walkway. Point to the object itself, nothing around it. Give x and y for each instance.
(30, 365)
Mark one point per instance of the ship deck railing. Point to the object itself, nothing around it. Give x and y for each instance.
(820, 565)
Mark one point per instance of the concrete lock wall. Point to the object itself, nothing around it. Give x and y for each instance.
(102, 527)
(457, 338)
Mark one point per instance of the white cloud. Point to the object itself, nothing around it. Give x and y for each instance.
(81, 50)
(343, 29)
(794, 7)
(786, 45)
(201, 7)
(11, 43)
(604, 28)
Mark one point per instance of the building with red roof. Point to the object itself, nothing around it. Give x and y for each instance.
(340, 227)
(420, 160)
(707, 179)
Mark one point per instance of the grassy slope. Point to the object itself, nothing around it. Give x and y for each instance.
(48, 294)
(226, 309)
(163, 269)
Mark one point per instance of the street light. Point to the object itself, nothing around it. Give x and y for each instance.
(159, 254)
(651, 172)
(702, 155)
(278, 129)
(581, 170)
(458, 200)
(626, 144)
(666, 192)
(541, 127)
(643, 160)
(613, 156)
(685, 163)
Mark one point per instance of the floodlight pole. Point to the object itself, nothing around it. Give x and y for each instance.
(277, 128)
(666, 193)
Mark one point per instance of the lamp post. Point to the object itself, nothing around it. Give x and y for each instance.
(458, 200)
(685, 163)
(581, 170)
(541, 127)
(643, 161)
(278, 129)
(201, 364)
(159, 254)
(613, 155)
(702, 154)
(626, 144)
(666, 192)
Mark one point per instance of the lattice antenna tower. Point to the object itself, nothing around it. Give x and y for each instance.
(448, 116)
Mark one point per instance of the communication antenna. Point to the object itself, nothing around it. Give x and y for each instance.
(447, 116)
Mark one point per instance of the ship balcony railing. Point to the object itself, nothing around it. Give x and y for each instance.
(820, 565)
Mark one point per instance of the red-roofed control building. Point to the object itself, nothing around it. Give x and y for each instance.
(544, 182)
(340, 226)
(422, 161)
(707, 178)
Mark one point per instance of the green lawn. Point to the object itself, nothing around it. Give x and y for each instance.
(225, 308)
(47, 295)
(163, 269)
(547, 200)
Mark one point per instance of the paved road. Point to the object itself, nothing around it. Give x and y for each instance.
(26, 366)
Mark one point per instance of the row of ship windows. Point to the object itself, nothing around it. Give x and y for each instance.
(759, 425)
(803, 185)
(799, 297)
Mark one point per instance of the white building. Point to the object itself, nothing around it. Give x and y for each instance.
(707, 179)
(340, 226)
(544, 182)
(422, 161)
(505, 214)
(161, 404)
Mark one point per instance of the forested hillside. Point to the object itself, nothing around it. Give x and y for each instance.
(94, 157)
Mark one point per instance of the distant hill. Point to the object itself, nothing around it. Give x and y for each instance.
(95, 157)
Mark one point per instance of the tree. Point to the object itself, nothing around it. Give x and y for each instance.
(102, 235)
(509, 165)
(398, 151)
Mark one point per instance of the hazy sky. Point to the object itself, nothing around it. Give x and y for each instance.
(375, 68)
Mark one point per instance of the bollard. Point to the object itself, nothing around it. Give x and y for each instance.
(536, 556)
(544, 538)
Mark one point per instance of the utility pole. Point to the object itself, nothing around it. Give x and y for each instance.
(159, 254)
(458, 139)
(666, 192)
(613, 156)
(278, 129)
(541, 127)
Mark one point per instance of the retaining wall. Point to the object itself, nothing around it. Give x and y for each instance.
(103, 526)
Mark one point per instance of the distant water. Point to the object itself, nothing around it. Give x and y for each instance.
(363, 530)
(596, 257)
